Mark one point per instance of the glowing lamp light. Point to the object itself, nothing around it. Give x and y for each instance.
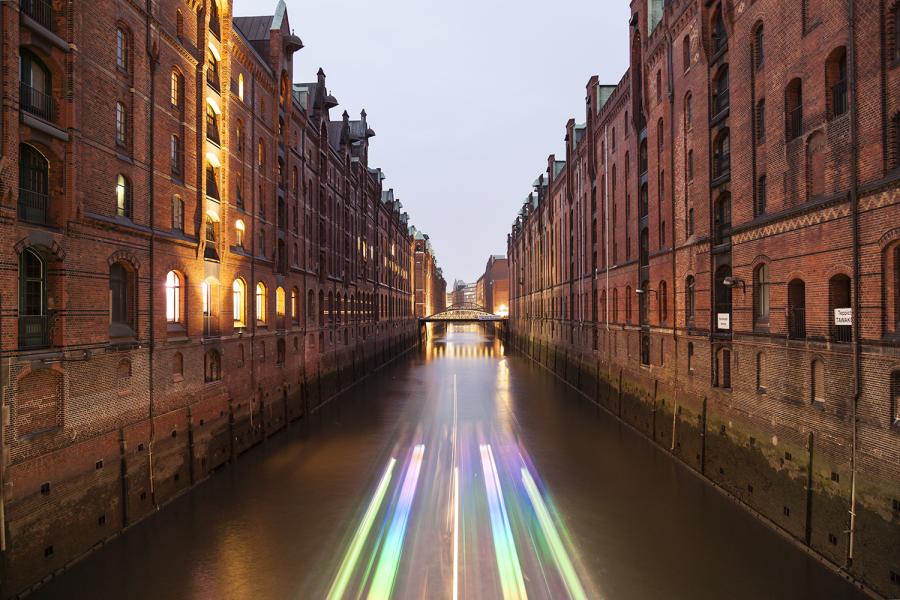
(503, 311)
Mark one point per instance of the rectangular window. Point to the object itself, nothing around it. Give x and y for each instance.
(175, 154)
(178, 214)
(121, 125)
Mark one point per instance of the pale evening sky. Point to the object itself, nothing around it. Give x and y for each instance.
(468, 98)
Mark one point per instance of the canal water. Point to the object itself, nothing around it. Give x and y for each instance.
(463, 471)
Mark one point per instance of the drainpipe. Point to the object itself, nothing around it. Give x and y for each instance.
(854, 213)
(153, 59)
(670, 74)
(3, 413)
(606, 219)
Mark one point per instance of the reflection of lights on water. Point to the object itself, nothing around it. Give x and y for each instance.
(359, 538)
(389, 560)
(511, 580)
(554, 541)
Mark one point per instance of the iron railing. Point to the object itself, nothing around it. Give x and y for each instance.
(39, 10)
(36, 102)
(34, 331)
(839, 104)
(722, 165)
(33, 206)
(842, 334)
(796, 323)
(794, 123)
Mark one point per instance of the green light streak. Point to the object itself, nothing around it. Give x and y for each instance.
(348, 565)
(389, 559)
(560, 556)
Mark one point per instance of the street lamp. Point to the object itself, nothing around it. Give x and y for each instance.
(730, 282)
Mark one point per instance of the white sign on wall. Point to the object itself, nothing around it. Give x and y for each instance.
(843, 316)
(724, 320)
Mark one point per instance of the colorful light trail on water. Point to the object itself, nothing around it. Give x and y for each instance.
(389, 559)
(511, 580)
(351, 557)
(554, 541)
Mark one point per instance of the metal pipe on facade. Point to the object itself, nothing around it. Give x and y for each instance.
(153, 61)
(670, 74)
(854, 213)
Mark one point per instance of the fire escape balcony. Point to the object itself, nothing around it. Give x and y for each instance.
(41, 11)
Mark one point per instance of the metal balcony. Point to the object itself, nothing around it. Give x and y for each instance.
(34, 331)
(33, 206)
(36, 102)
(41, 11)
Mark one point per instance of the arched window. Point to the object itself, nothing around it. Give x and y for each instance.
(121, 298)
(279, 302)
(331, 307)
(815, 165)
(321, 308)
(212, 68)
(261, 153)
(179, 23)
(720, 34)
(241, 86)
(239, 232)
(239, 301)
(761, 294)
(686, 53)
(212, 124)
(121, 125)
(212, 366)
(793, 109)
(897, 288)
(214, 21)
(628, 304)
(34, 175)
(690, 299)
(211, 251)
(261, 301)
(36, 86)
(615, 305)
(663, 302)
(33, 323)
(836, 82)
(721, 95)
(817, 382)
(658, 86)
(758, 47)
(642, 158)
(644, 205)
(722, 218)
(722, 369)
(796, 309)
(177, 92)
(838, 305)
(761, 193)
(123, 197)
(295, 305)
(310, 304)
(122, 49)
(690, 357)
(173, 298)
(688, 111)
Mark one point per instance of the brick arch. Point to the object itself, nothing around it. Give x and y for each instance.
(41, 239)
(38, 405)
(126, 257)
(760, 259)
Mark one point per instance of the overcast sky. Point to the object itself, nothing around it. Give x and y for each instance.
(467, 97)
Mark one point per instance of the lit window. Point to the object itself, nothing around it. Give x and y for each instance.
(123, 196)
(238, 293)
(173, 297)
(279, 302)
(241, 86)
(205, 291)
(239, 232)
(261, 302)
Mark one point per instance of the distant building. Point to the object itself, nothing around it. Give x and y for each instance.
(463, 293)
(495, 283)
(430, 291)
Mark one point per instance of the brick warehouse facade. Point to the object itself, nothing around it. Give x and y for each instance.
(716, 260)
(430, 287)
(194, 254)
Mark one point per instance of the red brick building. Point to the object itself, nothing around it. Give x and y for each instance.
(196, 252)
(495, 284)
(716, 260)
(428, 278)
